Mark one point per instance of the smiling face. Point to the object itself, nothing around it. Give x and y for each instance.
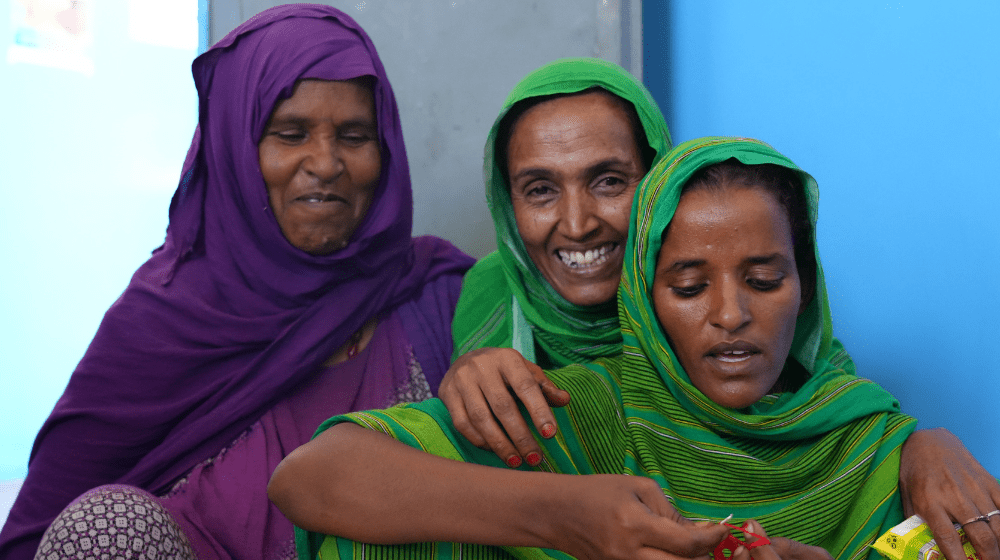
(321, 162)
(574, 165)
(727, 291)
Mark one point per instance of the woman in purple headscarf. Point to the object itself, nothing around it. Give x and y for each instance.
(288, 290)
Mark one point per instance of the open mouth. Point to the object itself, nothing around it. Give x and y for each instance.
(587, 259)
(320, 197)
(733, 356)
(733, 352)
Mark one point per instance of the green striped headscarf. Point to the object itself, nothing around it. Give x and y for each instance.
(819, 465)
(506, 302)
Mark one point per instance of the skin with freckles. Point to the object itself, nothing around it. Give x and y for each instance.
(574, 165)
(727, 292)
(320, 159)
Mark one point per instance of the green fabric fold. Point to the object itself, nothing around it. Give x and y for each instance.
(505, 299)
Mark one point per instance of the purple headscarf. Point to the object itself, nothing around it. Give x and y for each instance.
(227, 317)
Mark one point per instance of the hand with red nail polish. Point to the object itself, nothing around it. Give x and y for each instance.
(482, 390)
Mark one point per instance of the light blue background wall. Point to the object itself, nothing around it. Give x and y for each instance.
(895, 109)
(88, 164)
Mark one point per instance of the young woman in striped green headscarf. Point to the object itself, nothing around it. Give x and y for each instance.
(728, 398)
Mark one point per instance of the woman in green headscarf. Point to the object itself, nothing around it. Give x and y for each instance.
(728, 397)
(572, 141)
(506, 300)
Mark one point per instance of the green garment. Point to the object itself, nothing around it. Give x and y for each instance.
(505, 301)
(819, 465)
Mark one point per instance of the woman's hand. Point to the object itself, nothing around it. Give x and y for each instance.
(779, 549)
(480, 389)
(941, 482)
(612, 517)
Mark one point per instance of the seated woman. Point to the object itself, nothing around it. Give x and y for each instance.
(288, 289)
(728, 398)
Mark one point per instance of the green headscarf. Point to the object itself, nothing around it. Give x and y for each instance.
(505, 301)
(819, 465)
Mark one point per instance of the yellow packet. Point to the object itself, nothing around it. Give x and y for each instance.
(912, 540)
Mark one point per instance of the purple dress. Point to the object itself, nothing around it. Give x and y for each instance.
(227, 320)
(222, 504)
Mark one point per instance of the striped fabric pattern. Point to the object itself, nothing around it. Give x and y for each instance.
(819, 465)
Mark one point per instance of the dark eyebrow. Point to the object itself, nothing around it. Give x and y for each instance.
(605, 164)
(681, 265)
(694, 263)
(592, 170)
(767, 259)
(302, 121)
(531, 172)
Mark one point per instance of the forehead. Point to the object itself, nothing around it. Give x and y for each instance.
(727, 222)
(319, 98)
(592, 121)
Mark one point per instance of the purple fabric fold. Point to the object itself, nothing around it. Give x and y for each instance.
(227, 317)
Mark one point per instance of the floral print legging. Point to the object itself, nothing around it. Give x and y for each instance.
(114, 522)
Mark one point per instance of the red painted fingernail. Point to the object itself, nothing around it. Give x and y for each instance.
(548, 430)
(513, 461)
(533, 458)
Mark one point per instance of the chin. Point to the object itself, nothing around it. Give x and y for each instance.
(585, 299)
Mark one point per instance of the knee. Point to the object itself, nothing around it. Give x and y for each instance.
(114, 519)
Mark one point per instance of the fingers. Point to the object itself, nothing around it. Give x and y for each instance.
(787, 549)
(479, 396)
(983, 535)
(453, 400)
(651, 495)
(687, 540)
(767, 551)
(650, 553)
(497, 403)
(534, 390)
(943, 483)
(944, 532)
(554, 395)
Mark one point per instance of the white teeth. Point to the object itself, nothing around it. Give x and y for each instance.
(593, 257)
(733, 356)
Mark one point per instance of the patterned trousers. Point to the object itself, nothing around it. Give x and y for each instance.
(114, 522)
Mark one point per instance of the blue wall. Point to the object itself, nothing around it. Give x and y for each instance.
(89, 163)
(895, 109)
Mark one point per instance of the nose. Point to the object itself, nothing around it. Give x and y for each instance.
(323, 159)
(578, 219)
(730, 309)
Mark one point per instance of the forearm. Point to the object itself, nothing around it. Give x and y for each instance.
(365, 486)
